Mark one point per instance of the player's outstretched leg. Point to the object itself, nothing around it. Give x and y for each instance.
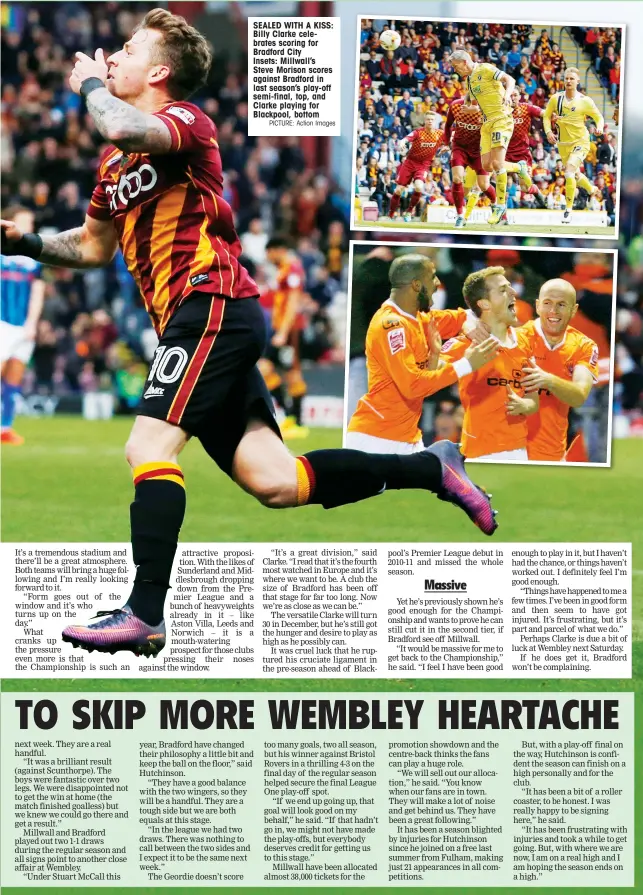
(156, 516)
(522, 170)
(336, 477)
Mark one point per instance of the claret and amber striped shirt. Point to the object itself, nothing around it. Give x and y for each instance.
(175, 229)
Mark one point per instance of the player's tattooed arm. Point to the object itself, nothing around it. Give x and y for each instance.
(126, 127)
(62, 249)
(92, 245)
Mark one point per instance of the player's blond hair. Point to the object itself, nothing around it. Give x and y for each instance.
(184, 49)
(475, 286)
(460, 56)
(573, 70)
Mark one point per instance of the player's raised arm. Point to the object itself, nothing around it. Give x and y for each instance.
(573, 393)
(399, 361)
(92, 245)
(129, 93)
(117, 121)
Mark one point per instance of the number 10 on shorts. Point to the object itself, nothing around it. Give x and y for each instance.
(168, 364)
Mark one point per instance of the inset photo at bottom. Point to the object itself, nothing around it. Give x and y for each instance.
(507, 352)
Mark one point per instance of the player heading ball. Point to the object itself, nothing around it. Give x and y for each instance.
(492, 88)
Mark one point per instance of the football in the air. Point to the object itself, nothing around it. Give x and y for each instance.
(390, 40)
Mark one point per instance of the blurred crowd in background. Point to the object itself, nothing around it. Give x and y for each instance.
(398, 88)
(95, 333)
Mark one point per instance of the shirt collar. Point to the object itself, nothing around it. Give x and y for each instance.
(389, 301)
(539, 329)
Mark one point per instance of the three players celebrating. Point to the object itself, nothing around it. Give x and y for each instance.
(516, 383)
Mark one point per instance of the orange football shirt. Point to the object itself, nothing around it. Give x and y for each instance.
(547, 429)
(397, 353)
(487, 429)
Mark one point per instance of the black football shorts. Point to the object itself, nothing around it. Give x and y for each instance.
(204, 376)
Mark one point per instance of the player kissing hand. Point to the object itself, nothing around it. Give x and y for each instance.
(481, 354)
(534, 377)
(86, 67)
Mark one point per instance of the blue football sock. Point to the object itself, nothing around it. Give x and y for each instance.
(9, 395)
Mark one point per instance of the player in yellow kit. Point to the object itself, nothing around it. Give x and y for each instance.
(402, 355)
(571, 108)
(492, 89)
(563, 368)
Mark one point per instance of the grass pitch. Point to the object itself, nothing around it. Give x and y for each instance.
(70, 482)
(518, 229)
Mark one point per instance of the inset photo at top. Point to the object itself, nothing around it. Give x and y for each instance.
(487, 127)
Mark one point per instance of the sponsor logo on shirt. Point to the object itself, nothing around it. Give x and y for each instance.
(130, 185)
(199, 278)
(500, 380)
(154, 392)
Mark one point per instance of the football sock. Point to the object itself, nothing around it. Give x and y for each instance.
(491, 192)
(395, 204)
(586, 184)
(295, 408)
(9, 394)
(458, 197)
(415, 198)
(501, 187)
(570, 191)
(512, 167)
(472, 201)
(334, 478)
(278, 395)
(156, 516)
